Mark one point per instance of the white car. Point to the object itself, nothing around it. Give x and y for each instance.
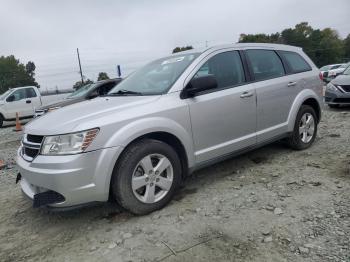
(23, 100)
(325, 69)
(335, 72)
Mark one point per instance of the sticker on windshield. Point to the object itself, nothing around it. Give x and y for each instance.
(173, 60)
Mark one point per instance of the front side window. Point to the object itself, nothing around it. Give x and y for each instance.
(226, 67)
(296, 62)
(155, 78)
(17, 95)
(266, 64)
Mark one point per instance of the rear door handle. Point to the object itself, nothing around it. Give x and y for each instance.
(28, 101)
(246, 94)
(292, 83)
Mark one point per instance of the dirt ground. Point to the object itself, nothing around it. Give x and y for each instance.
(272, 204)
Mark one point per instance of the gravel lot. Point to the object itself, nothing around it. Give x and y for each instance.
(272, 204)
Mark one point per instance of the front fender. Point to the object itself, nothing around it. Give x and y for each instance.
(141, 127)
(298, 101)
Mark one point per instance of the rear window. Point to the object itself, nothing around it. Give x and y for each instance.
(296, 62)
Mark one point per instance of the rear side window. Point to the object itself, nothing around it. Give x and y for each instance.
(265, 64)
(296, 62)
(226, 67)
(30, 92)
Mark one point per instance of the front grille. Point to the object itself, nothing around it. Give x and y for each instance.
(35, 139)
(31, 152)
(342, 100)
(31, 145)
(345, 88)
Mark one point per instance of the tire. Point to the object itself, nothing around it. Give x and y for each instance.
(300, 141)
(333, 106)
(131, 167)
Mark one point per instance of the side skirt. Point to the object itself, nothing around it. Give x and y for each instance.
(236, 153)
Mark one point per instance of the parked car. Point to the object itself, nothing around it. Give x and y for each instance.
(23, 100)
(338, 90)
(86, 92)
(333, 73)
(325, 69)
(175, 115)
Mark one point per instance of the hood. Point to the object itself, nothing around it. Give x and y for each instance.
(63, 103)
(341, 80)
(87, 114)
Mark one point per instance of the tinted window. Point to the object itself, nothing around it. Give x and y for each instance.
(226, 67)
(30, 92)
(18, 95)
(296, 62)
(265, 64)
(104, 89)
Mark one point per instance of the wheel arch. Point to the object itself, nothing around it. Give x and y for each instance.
(306, 97)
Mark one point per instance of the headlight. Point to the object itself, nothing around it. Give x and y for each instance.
(332, 87)
(68, 144)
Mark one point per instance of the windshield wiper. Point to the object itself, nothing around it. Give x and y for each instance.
(125, 92)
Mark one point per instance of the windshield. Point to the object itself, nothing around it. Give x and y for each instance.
(82, 91)
(347, 71)
(4, 95)
(343, 66)
(325, 68)
(155, 78)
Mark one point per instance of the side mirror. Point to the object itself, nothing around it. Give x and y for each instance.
(199, 84)
(11, 98)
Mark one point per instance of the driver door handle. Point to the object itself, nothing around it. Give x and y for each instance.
(292, 83)
(246, 94)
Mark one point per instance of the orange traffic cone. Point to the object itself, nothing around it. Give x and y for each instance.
(18, 124)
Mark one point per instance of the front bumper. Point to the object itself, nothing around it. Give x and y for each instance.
(80, 179)
(337, 97)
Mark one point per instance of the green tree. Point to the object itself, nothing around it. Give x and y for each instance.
(102, 76)
(180, 49)
(347, 48)
(79, 84)
(322, 46)
(15, 74)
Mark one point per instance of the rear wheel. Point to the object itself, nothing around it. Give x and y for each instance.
(305, 129)
(146, 176)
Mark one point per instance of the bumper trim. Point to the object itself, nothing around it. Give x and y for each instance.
(47, 198)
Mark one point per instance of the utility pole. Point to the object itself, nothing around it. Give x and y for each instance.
(81, 73)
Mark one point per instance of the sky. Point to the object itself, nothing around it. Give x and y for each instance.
(134, 32)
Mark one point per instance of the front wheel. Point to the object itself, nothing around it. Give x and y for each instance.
(146, 177)
(305, 129)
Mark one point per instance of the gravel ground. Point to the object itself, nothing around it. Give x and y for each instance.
(272, 204)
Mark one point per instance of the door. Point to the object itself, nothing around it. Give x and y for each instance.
(275, 92)
(33, 99)
(17, 102)
(224, 119)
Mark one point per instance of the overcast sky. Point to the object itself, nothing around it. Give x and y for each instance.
(133, 32)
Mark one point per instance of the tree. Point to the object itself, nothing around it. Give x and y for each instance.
(102, 76)
(79, 84)
(347, 48)
(15, 74)
(180, 49)
(322, 46)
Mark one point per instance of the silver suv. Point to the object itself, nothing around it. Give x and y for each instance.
(173, 116)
